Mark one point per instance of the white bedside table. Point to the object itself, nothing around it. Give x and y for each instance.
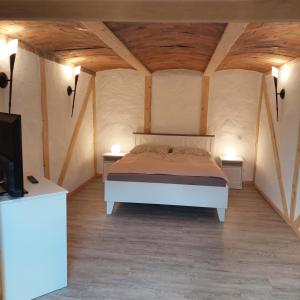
(233, 169)
(108, 160)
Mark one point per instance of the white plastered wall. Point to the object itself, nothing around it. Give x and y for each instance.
(176, 105)
(286, 130)
(61, 125)
(232, 113)
(27, 102)
(176, 101)
(120, 109)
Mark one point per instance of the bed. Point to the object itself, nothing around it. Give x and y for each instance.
(167, 177)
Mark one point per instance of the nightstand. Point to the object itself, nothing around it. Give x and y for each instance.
(233, 169)
(108, 160)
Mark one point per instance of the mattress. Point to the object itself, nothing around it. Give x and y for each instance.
(170, 168)
(167, 178)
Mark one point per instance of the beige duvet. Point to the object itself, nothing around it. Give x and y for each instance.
(170, 164)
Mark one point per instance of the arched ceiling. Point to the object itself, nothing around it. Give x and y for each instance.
(67, 41)
(264, 45)
(160, 46)
(170, 46)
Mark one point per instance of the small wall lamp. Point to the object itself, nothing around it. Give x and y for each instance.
(70, 90)
(12, 47)
(275, 74)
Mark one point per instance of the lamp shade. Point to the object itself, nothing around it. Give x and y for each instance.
(115, 149)
(77, 70)
(275, 72)
(12, 47)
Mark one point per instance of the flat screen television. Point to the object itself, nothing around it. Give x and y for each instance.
(11, 160)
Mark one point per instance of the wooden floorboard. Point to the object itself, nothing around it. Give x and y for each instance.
(162, 252)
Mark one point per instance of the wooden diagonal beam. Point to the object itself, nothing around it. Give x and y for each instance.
(204, 104)
(75, 133)
(109, 38)
(95, 124)
(297, 222)
(258, 126)
(147, 104)
(275, 149)
(295, 179)
(228, 39)
(44, 107)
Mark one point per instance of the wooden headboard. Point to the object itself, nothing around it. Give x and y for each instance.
(187, 140)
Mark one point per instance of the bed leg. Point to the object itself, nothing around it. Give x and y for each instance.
(221, 214)
(109, 207)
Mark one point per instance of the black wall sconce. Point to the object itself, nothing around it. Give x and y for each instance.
(275, 74)
(12, 47)
(70, 90)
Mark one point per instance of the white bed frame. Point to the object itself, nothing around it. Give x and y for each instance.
(167, 193)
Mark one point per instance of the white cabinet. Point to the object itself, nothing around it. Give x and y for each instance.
(233, 169)
(33, 237)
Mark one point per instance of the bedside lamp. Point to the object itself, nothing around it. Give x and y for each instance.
(230, 153)
(115, 149)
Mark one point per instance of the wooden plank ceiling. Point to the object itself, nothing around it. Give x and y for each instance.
(160, 45)
(264, 45)
(68, 41)
(170, 46)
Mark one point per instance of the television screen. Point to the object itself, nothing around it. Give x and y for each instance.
(11, 162)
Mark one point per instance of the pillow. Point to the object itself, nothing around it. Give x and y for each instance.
(140, 149)
(190, 150)
(161, 149)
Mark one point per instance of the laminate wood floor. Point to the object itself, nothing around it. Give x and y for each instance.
(145, 252)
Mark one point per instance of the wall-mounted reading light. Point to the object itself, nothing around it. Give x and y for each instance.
(70, 90)
(275, 74)
(12, 47)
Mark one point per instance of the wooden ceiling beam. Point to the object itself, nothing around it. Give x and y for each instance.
(228, 39)
(108, 37)
(154, 11)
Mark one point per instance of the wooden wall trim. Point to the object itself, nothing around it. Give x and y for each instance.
(175, 134)
(45, 125)
(75, 133)
(109, 38)
(258, 125)
(277, 210)
(295, 178)
(297, 222)
(81, 187)
(95, 124)
(147, 104)
(275, 149)
(228, 39)
(204, 104)
(154, 11)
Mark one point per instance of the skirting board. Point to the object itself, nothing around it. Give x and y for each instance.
(78, 189)
(248, 183)
(278, 211)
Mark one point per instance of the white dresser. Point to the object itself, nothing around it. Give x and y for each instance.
(233, 169)
(33, 236)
